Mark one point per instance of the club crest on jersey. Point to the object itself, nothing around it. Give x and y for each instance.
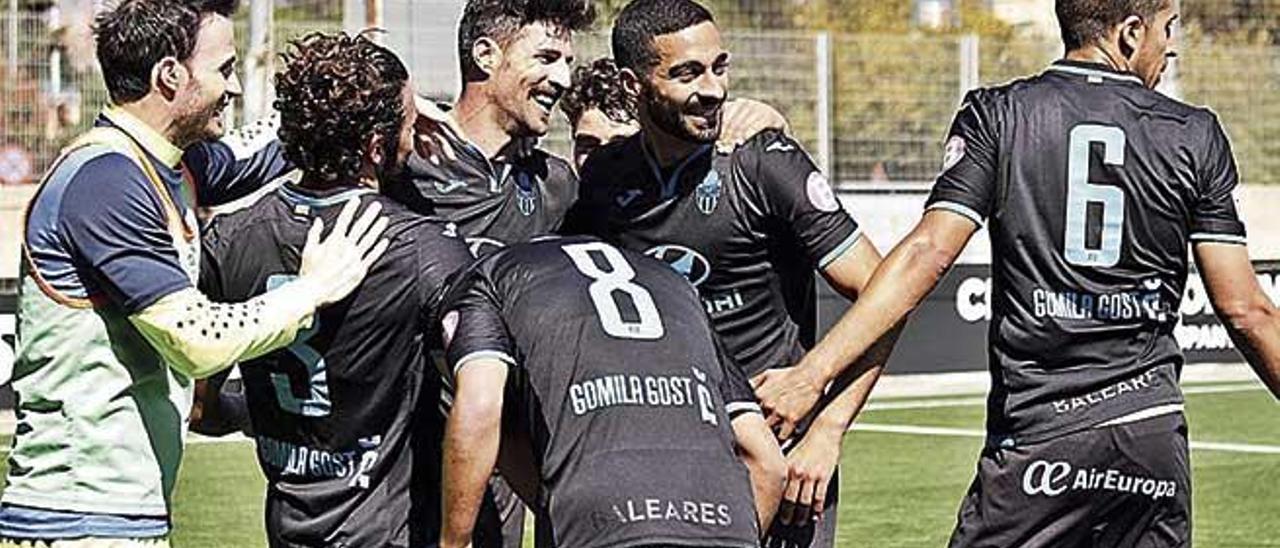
(526, 194)
(689, 263)
(707, 194)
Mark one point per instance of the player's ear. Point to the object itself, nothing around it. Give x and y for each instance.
(168, 76)
(630, 81)
(1132, 32)
(487, 54)
(374, 151)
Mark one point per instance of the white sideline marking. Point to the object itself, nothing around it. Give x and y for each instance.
(969, 433)
(197, 439)
(931, 403)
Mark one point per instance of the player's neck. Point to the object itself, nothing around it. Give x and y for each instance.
(481, 122)
(1099, 55)
(152, 111)
(668, 150)
(364, 179)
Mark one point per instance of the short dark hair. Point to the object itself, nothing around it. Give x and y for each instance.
(137, 34)
(643, 20)
(597, 85)
(335, 92)
(1084, 22)
(501, 20)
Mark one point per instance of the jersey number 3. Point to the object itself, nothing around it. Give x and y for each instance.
(316, 404)
(612, 283)
(1081, 194)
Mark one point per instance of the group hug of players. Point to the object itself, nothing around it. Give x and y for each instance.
(629, 339)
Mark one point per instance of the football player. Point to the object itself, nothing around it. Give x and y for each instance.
(1093, 187)
(632, 413)
(346, 418)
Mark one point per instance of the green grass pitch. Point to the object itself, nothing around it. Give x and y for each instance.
(899, 490)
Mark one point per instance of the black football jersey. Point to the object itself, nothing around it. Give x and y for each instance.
(626, 397)
(346, 418)
(1093, 186)
(746, 228)
(492, 203)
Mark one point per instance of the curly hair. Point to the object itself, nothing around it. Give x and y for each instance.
(335, 92)
(501, 20)
(137, 34)
(598, 85)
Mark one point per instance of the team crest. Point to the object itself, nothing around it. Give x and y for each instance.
(526, 194)
(707, 194)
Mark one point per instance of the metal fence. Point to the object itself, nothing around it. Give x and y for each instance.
(871, 107)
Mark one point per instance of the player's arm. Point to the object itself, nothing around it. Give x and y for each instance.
(962, 198)
(760, 453)
(789, 394)
(756, 445)
(242, 161)
(1219, 237)
(743, 119)
(1251, 318)
(478, 353)
(198, 337)
(471, 441)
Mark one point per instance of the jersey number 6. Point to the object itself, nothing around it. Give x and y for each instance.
(1081, 193)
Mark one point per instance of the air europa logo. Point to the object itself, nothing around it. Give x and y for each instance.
(1050, 479)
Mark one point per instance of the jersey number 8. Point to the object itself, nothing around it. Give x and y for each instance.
(1081, 193)
(617, 281)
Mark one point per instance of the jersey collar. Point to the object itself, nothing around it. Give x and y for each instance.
(298, 195)
(1094, 71)
(150, 139)
(671, 184)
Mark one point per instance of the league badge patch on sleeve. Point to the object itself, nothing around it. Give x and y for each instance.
(820, 193)
(449, 326)
(954, 153)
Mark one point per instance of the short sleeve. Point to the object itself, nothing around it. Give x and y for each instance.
(471, 321)
(1213, 215)
(442, 254)
(967, 183)
(243, 161)
(798, 195)
(121, 234)
(734, 388)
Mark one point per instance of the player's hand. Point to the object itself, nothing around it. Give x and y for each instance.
(810, 466)
(431, 132)
(743, 119)
(335, 266)
(786, 395)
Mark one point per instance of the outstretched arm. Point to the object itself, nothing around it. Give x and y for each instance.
(1251, 318)
(902, 280)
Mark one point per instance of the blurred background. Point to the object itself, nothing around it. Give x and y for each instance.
(869, 85)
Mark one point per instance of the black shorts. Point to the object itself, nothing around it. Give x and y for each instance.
(1127, 485)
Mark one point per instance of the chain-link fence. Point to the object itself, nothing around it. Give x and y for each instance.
(870, 106)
